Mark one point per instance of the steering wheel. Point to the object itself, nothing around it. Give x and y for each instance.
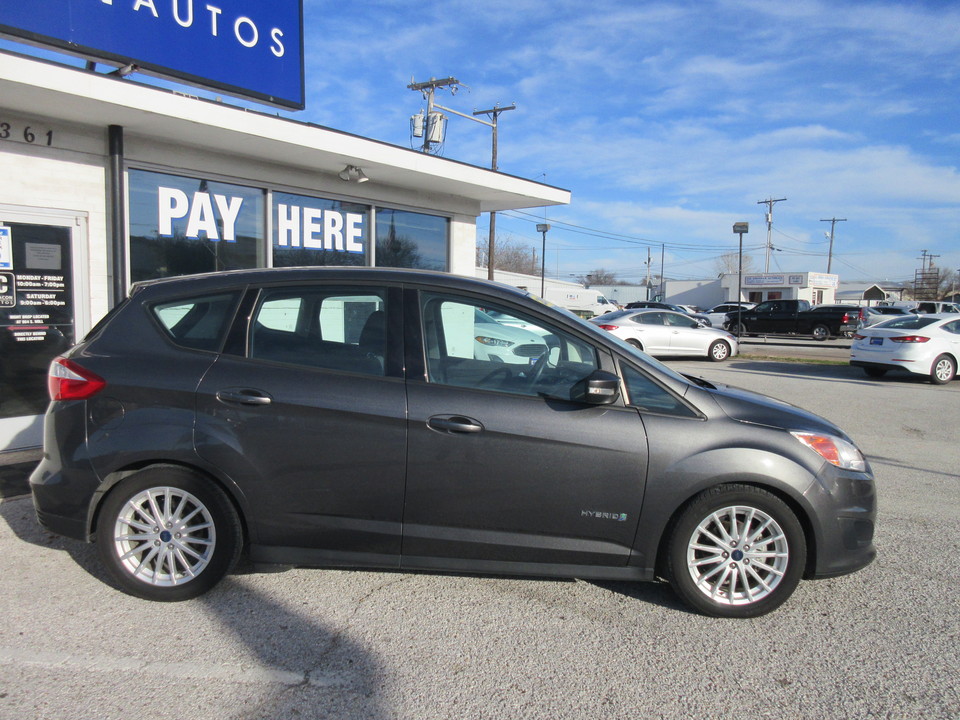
(505, 371)
(537, 370)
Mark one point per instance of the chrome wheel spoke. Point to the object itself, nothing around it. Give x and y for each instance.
(737, 555)
(153, 541)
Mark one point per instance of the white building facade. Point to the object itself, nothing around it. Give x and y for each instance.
(105, 182)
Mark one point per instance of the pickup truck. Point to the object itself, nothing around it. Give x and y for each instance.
(794, 317)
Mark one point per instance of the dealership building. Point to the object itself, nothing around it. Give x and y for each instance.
(105, 182)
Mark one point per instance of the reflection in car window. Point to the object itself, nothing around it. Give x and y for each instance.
(653, 318)
(674, 319)
(469, 344)
(645, 394)
(321, 328)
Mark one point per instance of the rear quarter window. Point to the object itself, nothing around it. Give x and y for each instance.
(198, 323)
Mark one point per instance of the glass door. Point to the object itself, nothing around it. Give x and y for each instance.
(38, 317)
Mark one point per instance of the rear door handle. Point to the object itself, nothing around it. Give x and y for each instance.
(244, 396)
(454, 424)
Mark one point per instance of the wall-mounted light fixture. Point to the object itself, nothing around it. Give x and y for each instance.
(125, 70)
(351, 173)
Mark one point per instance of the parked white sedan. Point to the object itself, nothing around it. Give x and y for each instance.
(926, 345)
(663, 333)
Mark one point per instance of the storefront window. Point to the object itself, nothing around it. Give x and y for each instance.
(411, 240)
(312, 231)
(181, 226)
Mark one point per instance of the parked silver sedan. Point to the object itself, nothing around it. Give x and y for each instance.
(663, 333)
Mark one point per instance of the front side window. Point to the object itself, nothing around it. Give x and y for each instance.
(183, 225)
(645, 394)
(470, 344)
(411, 240)
(332, 329)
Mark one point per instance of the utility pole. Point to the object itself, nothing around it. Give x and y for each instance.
(769, 202)
(494, 114)
(432, 129)
(432, 124)
(833, 222)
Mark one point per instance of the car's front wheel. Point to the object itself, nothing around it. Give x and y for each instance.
(944, 370)
(736, 551)
(168, 534)
(718, 351)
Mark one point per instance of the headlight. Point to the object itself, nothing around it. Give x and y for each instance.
(494, 342)
(834, 450)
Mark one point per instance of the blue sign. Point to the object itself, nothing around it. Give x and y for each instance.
(248, 48)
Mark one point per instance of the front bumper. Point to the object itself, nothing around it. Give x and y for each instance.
(846, 505)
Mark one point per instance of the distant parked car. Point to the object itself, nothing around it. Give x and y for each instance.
(878, 313)
(664, 333)
(926, 345)
(652, 304)
(718, 313)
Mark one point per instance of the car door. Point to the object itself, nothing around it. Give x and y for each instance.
(653, 333)
(501, 469)
(306, 412)
(684, 338)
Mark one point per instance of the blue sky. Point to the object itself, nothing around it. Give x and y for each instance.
(669, 121)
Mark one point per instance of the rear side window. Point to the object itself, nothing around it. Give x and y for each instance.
(334, 329)
(199, 323)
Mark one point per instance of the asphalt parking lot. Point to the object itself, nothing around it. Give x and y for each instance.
(884, 642)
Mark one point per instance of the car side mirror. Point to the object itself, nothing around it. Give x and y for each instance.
(598, 388)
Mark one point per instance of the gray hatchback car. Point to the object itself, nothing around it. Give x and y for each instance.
(362, 418)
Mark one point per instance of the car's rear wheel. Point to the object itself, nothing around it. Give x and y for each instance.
(636, 344)
(875, 372)
(820, 332)
(944, 370)
(168, 534)
(718, 351)
(736, 551)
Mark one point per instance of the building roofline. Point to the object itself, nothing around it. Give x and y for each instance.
(38, 87)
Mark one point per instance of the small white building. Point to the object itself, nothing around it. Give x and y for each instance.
(815, 287)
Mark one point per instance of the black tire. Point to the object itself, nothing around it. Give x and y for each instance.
(820, 333)
(718, 351)
(750, 583)
(636, 344)
(875, 372)
(195, 543)
(943, 370)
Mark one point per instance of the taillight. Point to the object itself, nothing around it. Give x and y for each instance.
(862, 315)
(858, 336)
(846, 319)
(910, 339)
(68, 381)
(609, 327)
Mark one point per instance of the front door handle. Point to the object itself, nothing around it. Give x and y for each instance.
(244, 396)
(454, 424)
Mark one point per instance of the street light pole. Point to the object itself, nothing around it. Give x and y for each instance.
(740, 228)
(542, 229)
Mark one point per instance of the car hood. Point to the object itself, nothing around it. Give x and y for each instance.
(749, 407)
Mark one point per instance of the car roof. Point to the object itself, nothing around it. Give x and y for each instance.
(262, 276)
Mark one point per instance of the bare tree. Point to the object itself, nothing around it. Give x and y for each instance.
(599, 276)
(512, 255)
(729, 263)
